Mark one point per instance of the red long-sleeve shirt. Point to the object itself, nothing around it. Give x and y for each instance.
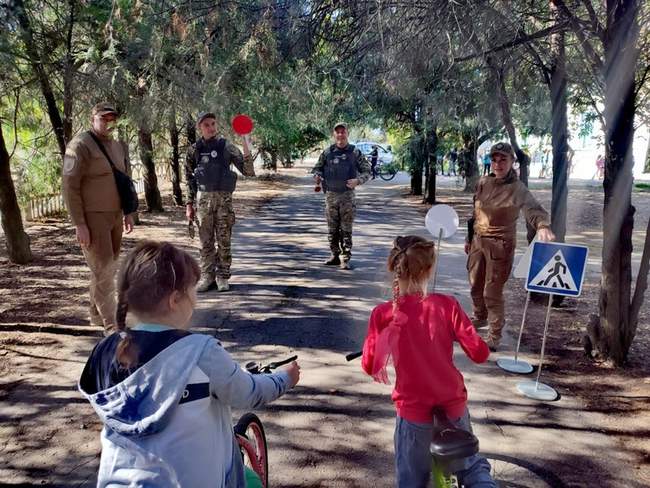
(426, 377)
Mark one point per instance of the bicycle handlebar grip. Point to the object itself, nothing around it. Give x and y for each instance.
(353, 355)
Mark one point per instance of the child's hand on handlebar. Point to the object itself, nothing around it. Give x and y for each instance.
(293, 369)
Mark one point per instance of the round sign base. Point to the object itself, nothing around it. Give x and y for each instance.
(514, 366)
(538, 391)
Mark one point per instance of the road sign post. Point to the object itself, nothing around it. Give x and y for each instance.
(555, 269)
(510, 364)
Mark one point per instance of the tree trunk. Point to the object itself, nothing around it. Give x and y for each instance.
(190, 131)
(68, 77)
(36, 62)
(151, 192)
(432, 161)
(467, 162)
(416, 171)
(621, 55)
(12, 222)
(175, 162)
(559, 130)
(506, 117)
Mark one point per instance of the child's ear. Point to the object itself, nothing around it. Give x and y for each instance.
(173, 300)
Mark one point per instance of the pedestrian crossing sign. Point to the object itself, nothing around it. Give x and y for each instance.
(557, 269)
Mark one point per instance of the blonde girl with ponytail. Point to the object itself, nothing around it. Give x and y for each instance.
(415, 331)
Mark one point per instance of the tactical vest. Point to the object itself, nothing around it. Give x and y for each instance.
(340, 166)
(212, 172)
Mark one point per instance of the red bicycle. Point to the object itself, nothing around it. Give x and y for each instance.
(250, 431)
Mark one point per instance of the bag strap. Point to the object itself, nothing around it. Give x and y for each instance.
(103, 149)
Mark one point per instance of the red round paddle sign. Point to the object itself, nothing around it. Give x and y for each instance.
(242, 124)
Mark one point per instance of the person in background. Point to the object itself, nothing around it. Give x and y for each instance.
(341, 168)
(374, 155)
(94, 206)
(210, 185)
(491, 239)
(486, 164)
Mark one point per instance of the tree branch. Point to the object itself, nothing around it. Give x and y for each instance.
(517, 41)
(592, 55)
(641, 282)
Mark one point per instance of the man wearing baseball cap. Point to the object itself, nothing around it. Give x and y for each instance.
(340, 168)
(490, 246)
(210, 185)
(94, 206)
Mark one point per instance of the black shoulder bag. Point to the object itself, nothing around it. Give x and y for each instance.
(124, 183)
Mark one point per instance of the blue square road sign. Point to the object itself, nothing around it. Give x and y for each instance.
(557, 269)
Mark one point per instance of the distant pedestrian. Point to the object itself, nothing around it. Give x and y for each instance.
(374, 155)
(453, 158)
(451, 165)
(210, 185)
(416, 331)
(93, 202)
(341, 168)
(600, 167)
(486, 164)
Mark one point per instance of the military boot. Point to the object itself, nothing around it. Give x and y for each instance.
(478, 322)
(492, 343)
(222, 284)
(205, 284)
(333, 261)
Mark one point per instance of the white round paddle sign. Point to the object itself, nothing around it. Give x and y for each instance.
(441, 217)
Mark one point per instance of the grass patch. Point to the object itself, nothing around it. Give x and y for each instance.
(642, 186)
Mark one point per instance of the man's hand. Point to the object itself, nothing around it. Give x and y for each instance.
(545, 234)
(189, 211)
(352, 183)
(83, 235)
(247, 144)
(468, 246)
(128, 224)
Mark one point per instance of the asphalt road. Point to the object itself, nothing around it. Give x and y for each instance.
(335, 428)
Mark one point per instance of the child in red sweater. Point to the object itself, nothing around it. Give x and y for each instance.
(416, 333)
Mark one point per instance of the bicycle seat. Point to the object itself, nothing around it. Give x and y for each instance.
(448, 444)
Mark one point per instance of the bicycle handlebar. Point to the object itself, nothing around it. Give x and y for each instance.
(353, 355)
(257, 368)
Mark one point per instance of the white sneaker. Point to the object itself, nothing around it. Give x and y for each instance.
(222, 284)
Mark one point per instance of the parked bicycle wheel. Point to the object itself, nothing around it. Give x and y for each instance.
(252, 441)
(387, 172)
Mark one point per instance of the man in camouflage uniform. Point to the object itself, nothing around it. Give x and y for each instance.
(210, 183)
(340, 168)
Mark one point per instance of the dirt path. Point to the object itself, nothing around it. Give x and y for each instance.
(336, 428)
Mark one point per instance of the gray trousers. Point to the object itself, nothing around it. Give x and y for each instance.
(413, 458)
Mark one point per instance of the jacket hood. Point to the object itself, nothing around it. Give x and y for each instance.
(143, 403)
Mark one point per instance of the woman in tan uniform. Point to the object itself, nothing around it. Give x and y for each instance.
(491, 246)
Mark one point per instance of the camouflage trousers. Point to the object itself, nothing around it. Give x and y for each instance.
(340, 209)
(216, 218)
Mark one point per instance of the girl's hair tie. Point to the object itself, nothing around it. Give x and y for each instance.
(123, 334)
